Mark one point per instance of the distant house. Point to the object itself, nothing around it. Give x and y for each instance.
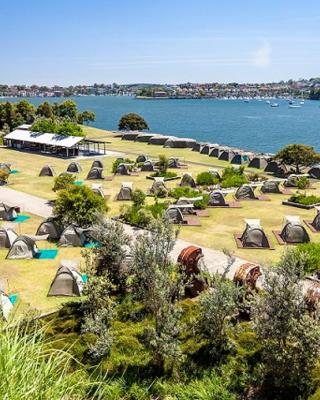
(160, 94)
(52, 143)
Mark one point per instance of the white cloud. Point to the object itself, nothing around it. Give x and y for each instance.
(262, 55)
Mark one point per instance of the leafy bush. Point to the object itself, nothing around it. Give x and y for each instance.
(304, 199)
(163, 163)
(232, 171)
(183, 191)
(119, 161)
(138, 198)
(206, 179)
(312, 253)
(234, 181)
(167, 174)
(63, 182)
(157, 209)
(61, 127)
(78, 205)
(136, 216)
(303, 182)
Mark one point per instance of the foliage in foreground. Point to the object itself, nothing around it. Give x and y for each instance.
(304, 199)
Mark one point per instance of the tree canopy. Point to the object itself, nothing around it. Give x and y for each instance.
(132, 122)
(298, 155)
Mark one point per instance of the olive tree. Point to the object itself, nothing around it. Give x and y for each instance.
(289, 336)
(298, 155)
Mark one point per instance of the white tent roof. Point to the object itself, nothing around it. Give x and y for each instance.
(292, 219)
(51, 139)
(253, 223)
(127, 185)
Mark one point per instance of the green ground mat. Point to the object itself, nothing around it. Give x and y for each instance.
(14, 171)
(21, 218)
(84, 278)
(92, 245)
(13, 298)
(49, 254)
(78, 183)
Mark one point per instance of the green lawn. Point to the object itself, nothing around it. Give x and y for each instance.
(32, 278)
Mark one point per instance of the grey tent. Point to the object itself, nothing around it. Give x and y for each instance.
(173, 162)
(73, 236)
(187, 180)
(158, 188)
(291, 181)
(5, 167)
(245, 192)
(272, 167)
(74, 167)
(7, 213)
(141, 158)
(159, 140)
(180, 143)
(98, 189)
(188, 203)
(240, 158)
(293, 231)
(281, 171)
(253, 235)
(227, 155)
(258, 162)
(47, 170)
(174, 215)
(316, 222)
(97, 164)
(68, 280)
(123, 169)
(24, 247)
(270, 187)
(125, 191)
(314, 171)
(49, 227)
(147, 166)
(95, 173)
(216, 198)
(144, 137)
(215, 173)
(130, 135)
(215, 151)
(206, 148)
(7, 237)
(198, 146)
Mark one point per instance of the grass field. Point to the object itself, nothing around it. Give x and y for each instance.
(31, 278)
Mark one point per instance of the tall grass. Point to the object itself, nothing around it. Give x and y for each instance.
(30, 369)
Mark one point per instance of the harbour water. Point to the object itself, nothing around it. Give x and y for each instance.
(252, 125)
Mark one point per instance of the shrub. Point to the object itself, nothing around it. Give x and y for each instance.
(312, 253)
(167, 174)
(234, 181)
(304, 199)
(163, 163)
(232, 171)
(183, 191)
(157, 209)
(136, 216)
(138, 198)
(303, 182)
(119, 161)
(206, 179)
(63, 182)
(78, 205)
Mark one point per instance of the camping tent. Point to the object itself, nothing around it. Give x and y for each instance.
(24, 247)
(98, 189)
(123, 169)
(125, 191)
(186, 205)
(73, 236)
(174, 215)
(147, 166)
(50, 227)
(95, 173)
(97, 164)
(187, 180)
(276, 168)
(291, 181)
(47, 170)
(7, 213)
(179, 143)
(270, 187)
(74, 167)
(215, 151)
(198, 146)
(216, 198)
(314, 171)
(7, 237)
(206, 148)
(253, 235)
(158, 187)
(215, 173)
(68, 280)
(245, 192)
(227, 155)
(159, 140)
(141, 158)
(258, 162)
(144, 137)
(293, 231)
(173, 162)
(316, 221)
(130, 135)
(5, 167)
(240, 158)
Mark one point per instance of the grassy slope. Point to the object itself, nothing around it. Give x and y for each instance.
(32, 278)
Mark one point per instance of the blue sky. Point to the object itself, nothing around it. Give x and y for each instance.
(165, 41)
